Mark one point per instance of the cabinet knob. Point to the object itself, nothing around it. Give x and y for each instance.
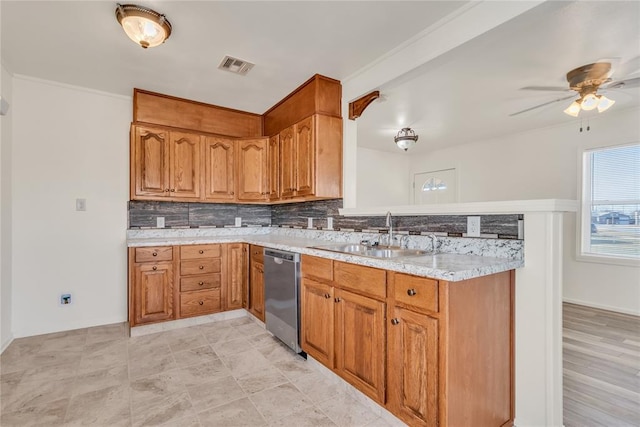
(201, 302)
(155, 267)
(166, 190)
(411, 292)
(155, 254)
(201, 267)
(394, 321)
(201, 251)
(338, 299)
(173, 189)
(200, 283)
(232, 193)
(327, 296)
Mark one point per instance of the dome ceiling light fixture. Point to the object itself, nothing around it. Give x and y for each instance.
(406, 138)
(144, 26)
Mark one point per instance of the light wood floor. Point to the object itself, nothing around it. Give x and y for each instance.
(601, 364)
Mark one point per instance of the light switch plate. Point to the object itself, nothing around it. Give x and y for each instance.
(473, 226)
(81, 204)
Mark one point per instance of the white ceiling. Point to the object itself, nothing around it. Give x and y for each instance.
(468, 93)
(464, 95)
(81, 43)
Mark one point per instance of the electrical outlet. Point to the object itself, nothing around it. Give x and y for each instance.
(309, 223)
(160, 221)
(473, 226)
(65, 299)
(238, 221)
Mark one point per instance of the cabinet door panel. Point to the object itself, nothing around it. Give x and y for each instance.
(273, 169)
(252, 169)
(305, 157)
(360, 342)
(151, 162)
(219, 168)
(317, 321)
(256, 290)
(184, 172)
(287, 163)
(413, 367)
(153, 292)
(236, 274)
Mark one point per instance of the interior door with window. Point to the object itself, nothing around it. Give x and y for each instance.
(435, 187)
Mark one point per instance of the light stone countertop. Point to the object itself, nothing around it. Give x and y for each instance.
(444, 266)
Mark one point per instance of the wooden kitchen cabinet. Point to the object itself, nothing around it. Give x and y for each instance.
(342, 329)
(236, 274)
(255, 293)
(360, 342)
(413, 366)
(273, 168)
(200, 280)
(151, 285)
(311, 158)
(219, 169)
(253, 173)
(165, 163)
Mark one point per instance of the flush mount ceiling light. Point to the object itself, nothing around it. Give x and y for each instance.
(144, 26)
(406, 138)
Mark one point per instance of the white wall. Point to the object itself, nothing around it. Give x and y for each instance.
(382, 178)
(6, 85)
(544, 164)
(68, 143)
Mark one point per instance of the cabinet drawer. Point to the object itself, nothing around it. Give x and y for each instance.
(199, 251)
(200, 302)
(418, 292)
(321, 268)
(200, 266)
(158, 253)
(196, 283)
(364, 280)
(256, 254)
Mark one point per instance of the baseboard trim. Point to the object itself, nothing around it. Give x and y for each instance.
(601, 306)
(6, 344)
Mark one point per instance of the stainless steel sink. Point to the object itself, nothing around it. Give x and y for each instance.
(372, 251)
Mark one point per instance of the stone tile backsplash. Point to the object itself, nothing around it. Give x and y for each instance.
(143, 214)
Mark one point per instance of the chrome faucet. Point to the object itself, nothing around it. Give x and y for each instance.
(434, 242)
(389, 223)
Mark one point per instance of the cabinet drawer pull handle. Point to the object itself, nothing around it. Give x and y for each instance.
(200, 302)
(411, 292)
(338, 299)
(394, 321)
(200, 251)
(155, 254)
(201, 267)
(200, 283)
(155, 267)
(327, 296)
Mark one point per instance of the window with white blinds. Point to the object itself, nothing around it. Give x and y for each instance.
(610, 226)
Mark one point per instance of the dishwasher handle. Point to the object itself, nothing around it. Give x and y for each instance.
(282, 255)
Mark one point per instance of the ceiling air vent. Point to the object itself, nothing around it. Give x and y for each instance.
(235, 65)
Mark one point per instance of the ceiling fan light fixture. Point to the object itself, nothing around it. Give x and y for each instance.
(144, 26)
(573, 109)
(406, 138)
(589, 102)
(604, 103)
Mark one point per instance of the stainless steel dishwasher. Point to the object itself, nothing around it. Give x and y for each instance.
(281, 296)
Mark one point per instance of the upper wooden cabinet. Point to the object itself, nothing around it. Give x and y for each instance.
(164, 163)
(253, 174)
(311, 159)
(273, 168)
(219, 166)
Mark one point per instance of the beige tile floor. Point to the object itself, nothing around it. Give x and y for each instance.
(228, 373)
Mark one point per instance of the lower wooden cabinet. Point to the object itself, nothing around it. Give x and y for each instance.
(173, 282)
(255, 297)
(316, 302)
(413, 366)
(151, 284)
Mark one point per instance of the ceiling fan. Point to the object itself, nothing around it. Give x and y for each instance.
(586, 81)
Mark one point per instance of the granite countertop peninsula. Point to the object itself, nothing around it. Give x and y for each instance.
(444, 266)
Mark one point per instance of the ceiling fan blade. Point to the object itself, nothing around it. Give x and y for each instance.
(546, 88)
(564, 98)
(623, 84)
